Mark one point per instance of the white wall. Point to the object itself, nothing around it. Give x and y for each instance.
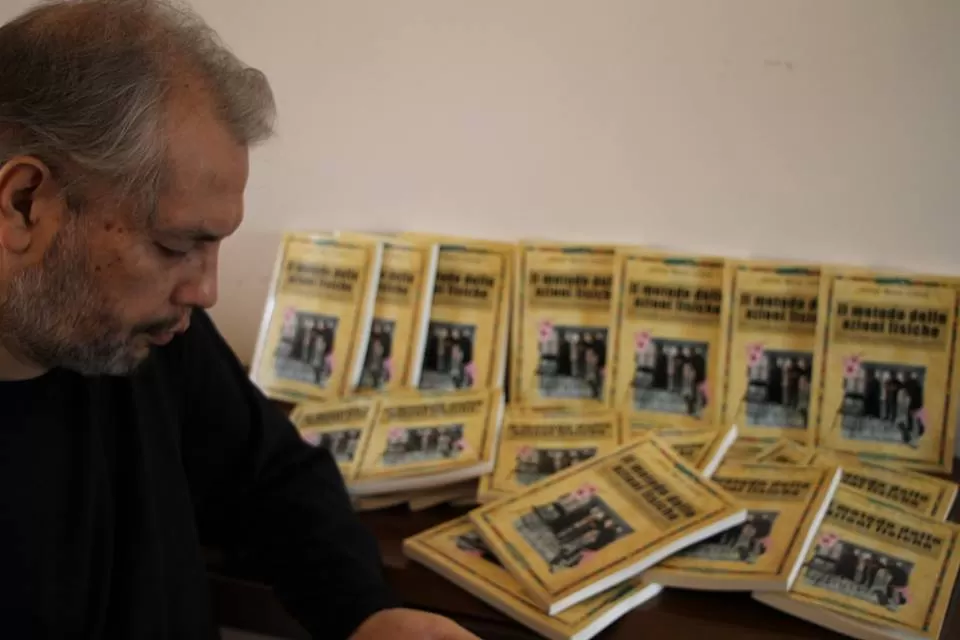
(798, 128)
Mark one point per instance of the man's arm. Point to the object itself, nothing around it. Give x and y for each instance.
(268, 499)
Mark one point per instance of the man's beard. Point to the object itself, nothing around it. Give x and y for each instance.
(52, 315)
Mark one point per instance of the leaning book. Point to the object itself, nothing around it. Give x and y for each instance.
(401, 315)
(704, 450)
(340, 427)
(421, 441)
(602, 522)
(457, 552)
(786, 505)
(888, 385)
(563, 315)
(875, 572)
(317, 318)
(467, 333)
(768, 353)
(668, 338)
(532, 447)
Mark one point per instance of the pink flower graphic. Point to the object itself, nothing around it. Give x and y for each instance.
(585, 491)
(641, 340)
(473, 552)
(471, 370)
(586, 556)
(851, 366)
(754, 353)
(704, 389)
(525, 452)
(395, 434)
(546, 330)
(461, 445)
(904, 593)
(388, 367)
(827, 541)
(921, 415)
(328, 361)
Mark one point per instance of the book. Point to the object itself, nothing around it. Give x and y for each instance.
(668, 337)
(875, 571)
(341, 427)
(787, 452)
(563, 314)
(705, 450)
(887, 388)
(785, 506)
(317, 319)
(768, 350)
(457, 552)
(468, 331)
(602, 522)
(401, 315)
(532, 447)
(423, 441)
(912, 491)
(746, 449)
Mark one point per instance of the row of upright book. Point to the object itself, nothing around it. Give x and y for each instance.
(584, 515)
(852, 360)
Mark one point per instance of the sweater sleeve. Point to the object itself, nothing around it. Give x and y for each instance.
(275, 504)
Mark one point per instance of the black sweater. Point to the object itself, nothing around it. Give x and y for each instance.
(110, 486)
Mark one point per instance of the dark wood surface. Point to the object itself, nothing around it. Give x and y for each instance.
(672, 614)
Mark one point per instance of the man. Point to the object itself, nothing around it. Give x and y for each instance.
(129, 434)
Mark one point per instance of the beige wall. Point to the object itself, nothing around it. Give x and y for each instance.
(826, 130)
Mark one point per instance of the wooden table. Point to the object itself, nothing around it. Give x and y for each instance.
(673, 615)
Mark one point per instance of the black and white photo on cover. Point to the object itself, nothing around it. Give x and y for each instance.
(670, 376)
(856, 571)
(744, 543)
(472, 544)
(448, 361)
(341, 443)
(377, 362)
(571, 529)
(410, 445)
(304, 352)
(572, 361)
(533, 464)
(778, 387)
(883, 402)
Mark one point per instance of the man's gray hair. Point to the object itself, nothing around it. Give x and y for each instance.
(84, 87)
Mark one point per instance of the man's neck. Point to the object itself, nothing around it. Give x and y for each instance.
(16, 369)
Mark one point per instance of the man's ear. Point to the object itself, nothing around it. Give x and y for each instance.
(31, 203)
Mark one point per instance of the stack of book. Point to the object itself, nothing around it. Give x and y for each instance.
(622, 420)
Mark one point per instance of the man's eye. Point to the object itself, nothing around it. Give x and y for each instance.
(170, 252)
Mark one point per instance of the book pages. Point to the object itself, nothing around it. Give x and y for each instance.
(466, 343)
(668, 338)
(563, 316)
(456, 551)
(705, 450)
(746, 449)
(317, 318)
(787, 452)
(418, 435)
(533, 447)
(341, 427)
(879, 564)
(785, 505)
(395, 346)
(603, 521)
(888, 385)
(769, 335)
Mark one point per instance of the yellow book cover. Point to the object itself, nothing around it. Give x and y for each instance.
(317, 318)
(705, 450)
(341, 427)
(787, 452)
(912, 491)
(562, 318)
(457, 552)
(468, 331)
(668, 338)
(768, 355)
(786, 505)
(887, 386)
(746, 449)
(421, 441)
(881, 566)
(398, 333)
(533, 447)
(602, 522)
